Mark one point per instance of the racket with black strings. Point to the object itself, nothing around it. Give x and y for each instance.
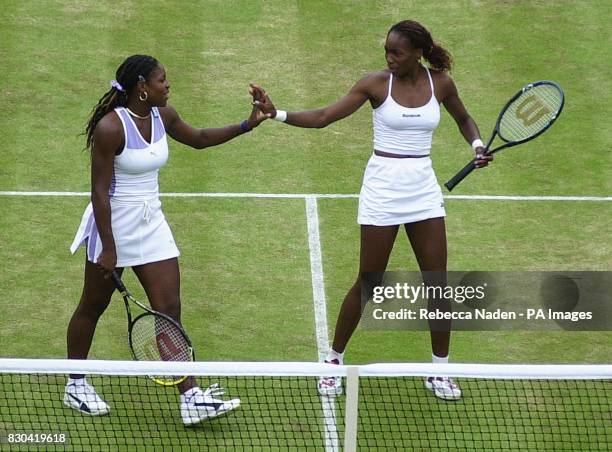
(527, 115)
(154, 336)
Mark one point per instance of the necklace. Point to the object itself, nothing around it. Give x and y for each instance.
(137, 116)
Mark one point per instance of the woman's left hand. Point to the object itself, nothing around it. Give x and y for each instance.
(482, 159)
(257, 115)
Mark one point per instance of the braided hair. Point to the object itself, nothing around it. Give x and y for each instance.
(438, 57)
(128, 74)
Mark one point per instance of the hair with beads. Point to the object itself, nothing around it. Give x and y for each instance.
(418, 36)
(128, 74)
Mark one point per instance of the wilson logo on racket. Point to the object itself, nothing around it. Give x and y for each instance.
(167, 349)
(531, 110)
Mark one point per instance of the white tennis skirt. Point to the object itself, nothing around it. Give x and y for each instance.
(398, 191)
(140, 230)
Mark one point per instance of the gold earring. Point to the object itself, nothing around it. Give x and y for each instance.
(146, 96)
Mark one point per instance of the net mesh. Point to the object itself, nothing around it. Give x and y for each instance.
(281, 408)
(531, 112)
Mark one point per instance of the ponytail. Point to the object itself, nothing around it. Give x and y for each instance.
(438, 58)
(112, 99)
(436, 55)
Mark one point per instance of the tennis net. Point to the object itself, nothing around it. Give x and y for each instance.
(383, 406)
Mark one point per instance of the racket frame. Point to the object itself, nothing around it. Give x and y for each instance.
(471, 166)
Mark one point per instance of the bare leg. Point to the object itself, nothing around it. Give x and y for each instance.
(376, 245)
(428, 240)
(95, 298)
(161, 282)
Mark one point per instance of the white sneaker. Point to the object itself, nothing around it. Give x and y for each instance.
(82, 397)
(444, 388)
(330, 386)
(197, 405)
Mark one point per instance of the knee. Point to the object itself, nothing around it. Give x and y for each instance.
(368, 281)
(171, 306)
(92, 307)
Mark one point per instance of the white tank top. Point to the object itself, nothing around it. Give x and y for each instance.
(137, 167)
(402, 130)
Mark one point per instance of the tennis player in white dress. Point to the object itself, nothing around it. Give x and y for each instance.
(399, 185)
(124, 225)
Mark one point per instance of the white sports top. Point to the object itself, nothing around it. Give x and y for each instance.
(404, 130)
(137, 167)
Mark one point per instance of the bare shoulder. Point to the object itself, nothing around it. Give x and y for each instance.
(109, 128)
(375, 79)
(108, 136)
(443, 84)
(441, 79)
(168, 114)
(110, 124)
(380, 75)
(374, 87)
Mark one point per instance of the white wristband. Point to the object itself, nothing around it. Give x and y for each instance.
(477, 143)
(281, 115)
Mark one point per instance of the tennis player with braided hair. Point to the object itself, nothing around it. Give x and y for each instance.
(399, 185)
(124, 225)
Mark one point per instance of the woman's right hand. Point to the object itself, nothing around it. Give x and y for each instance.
(261, 100)
(107, 261)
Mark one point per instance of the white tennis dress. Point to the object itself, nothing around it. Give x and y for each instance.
(401, 190)
(140, 230)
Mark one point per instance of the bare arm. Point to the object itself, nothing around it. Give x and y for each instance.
(323, 117)
(200, 138)
(107, 140)
(457, 110)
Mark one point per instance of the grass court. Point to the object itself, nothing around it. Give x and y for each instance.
(245, 264)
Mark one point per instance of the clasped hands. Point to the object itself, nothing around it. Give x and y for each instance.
(263, 108)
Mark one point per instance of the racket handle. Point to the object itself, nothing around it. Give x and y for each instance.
(118, 283)
(460, 175)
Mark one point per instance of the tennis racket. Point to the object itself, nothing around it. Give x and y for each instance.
(154, 336)
(527, 115)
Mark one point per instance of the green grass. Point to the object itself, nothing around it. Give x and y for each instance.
(246, 283)
(508, 415)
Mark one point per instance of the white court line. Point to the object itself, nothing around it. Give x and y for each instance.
(320, 196)
(318, 283)
(320, 311)
(529, 198)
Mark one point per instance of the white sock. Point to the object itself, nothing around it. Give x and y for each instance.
(439, 359)
(333, 354)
